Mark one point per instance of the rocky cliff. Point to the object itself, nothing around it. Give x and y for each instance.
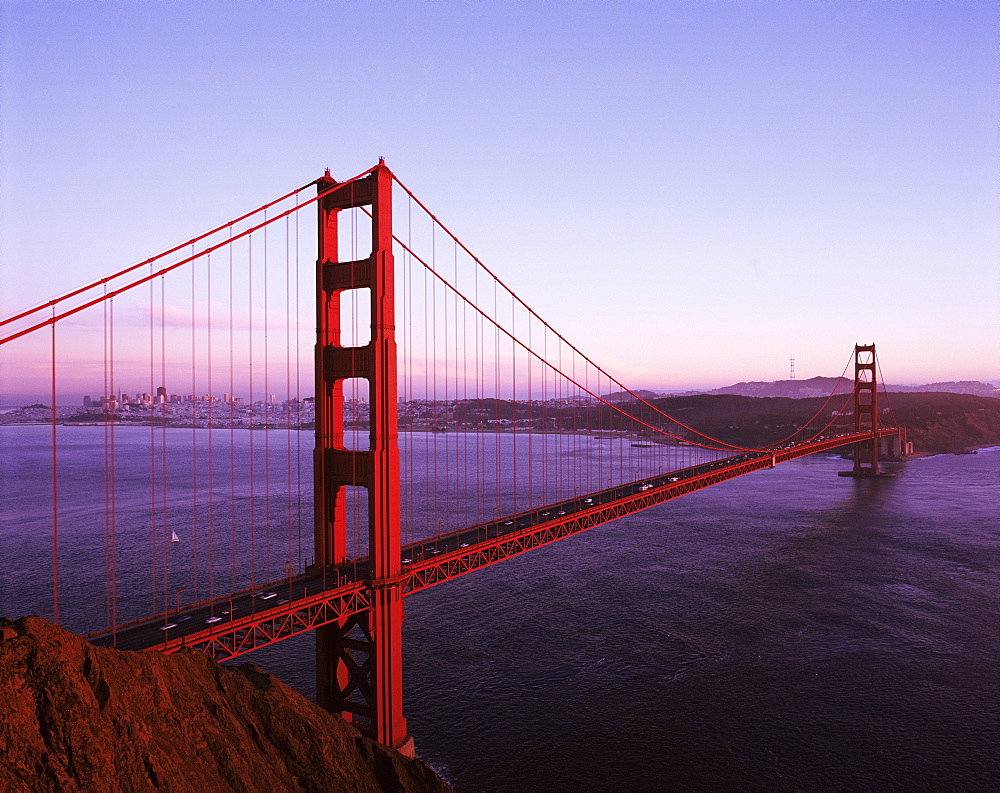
(78, 717)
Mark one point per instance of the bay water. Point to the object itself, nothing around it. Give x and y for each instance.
(790, 629)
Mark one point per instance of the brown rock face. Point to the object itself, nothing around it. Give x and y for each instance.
(78, 717)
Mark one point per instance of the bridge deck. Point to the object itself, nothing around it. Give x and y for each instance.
(243, 621)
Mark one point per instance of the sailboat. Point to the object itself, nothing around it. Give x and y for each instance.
(174, 537)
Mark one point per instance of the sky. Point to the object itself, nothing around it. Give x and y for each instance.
(690, 192)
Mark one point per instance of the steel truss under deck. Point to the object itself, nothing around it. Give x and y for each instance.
(344, 601)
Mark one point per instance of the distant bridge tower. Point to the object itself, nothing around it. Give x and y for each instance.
(866, 414)
(359, 658)
(791, 367)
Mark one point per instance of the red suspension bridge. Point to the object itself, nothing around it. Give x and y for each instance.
(453, 428)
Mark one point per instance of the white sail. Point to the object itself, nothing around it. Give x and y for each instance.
(174, 537)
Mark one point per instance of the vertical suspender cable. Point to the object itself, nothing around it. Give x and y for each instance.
(194, 438)
(267, 422)
(108, 407)
(152, 445)
(232, 425)
(55, 487)
(463, 373)
(252, 531)
(298, 390)
(479, 417)
(408, 311)
(164, 538)
(426, 411)
(532, 502)
(434, 402)
(496, 398)
(288, 398)
(114, 548)
(513, 401)
(211, 431)
(448, 496)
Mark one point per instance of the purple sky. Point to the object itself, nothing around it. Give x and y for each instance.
(690, 192)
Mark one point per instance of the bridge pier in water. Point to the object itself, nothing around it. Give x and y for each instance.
(867, 454)
(359, 658)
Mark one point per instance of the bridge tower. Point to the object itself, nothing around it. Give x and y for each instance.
(866, 416)
(359, 659)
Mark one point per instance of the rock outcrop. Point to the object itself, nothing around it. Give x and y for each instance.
(78, 717)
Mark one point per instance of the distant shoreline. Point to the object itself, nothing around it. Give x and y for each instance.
(597, 434)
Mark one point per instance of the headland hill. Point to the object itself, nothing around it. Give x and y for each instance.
(78, 717)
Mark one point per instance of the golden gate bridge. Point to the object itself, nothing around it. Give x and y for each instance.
(454, 428)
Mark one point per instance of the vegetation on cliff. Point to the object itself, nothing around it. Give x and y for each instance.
(78, 717)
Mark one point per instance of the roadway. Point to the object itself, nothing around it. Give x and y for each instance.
(237, 611)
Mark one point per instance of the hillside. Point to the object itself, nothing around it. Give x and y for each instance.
(821, 386)
(935, 422)
(941, 423)
(75, 717)
(796, 389)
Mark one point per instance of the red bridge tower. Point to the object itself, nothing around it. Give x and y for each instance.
(866, 414)
(359, 659)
